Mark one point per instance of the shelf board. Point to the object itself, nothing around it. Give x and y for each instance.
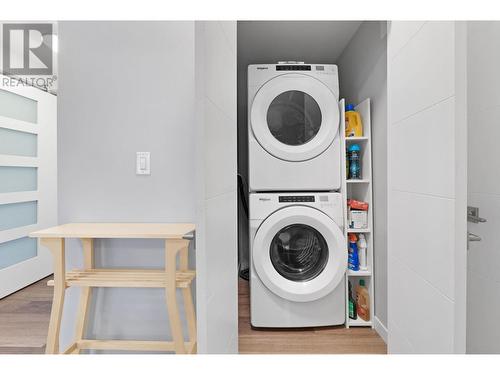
(352, 230)
(359, 323)
(359, 273)
(362, 181)
(126, 278)
(356, 139)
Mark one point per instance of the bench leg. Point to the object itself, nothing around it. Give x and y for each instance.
(188, 300)
(190, 316)
(56, 246)
(171, 249)
(85, 293)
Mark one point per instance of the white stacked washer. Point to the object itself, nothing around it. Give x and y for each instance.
(297, 248)
(298, 260)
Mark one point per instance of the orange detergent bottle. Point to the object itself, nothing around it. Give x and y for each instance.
(353, 125)
(363, 301)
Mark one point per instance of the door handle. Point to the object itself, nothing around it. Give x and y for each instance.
(473, 215)
(473, 237)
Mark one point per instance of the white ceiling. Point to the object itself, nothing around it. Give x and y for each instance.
(309, 41)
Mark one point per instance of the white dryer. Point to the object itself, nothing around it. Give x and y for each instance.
(298, 260)
(293, 127)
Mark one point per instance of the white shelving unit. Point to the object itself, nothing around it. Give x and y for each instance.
(360, 190)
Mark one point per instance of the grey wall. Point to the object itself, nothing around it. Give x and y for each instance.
(363, 74)
(125, 87)
(216, 187)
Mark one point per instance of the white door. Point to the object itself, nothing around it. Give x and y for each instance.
(28, 183)
(426, 187)
(299, 253)
(483, 260)
(292, 117)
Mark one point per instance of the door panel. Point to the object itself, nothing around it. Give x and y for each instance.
(15, 179)
(28, 183)
(18, 107)
(18, 143)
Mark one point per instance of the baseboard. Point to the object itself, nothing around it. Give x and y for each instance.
(380, 328)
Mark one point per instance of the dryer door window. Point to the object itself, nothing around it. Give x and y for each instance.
(294, 118)
(299, 252)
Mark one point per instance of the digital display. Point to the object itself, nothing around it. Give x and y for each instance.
(293, 67)
(296, 198)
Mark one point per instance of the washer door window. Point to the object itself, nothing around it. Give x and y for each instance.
(295, 117)
(299, 253)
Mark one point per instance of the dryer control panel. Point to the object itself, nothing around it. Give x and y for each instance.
(296, 198)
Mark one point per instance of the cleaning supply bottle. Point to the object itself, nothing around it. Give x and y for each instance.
(354, 152)
(362, 301)
(347, 164)
(352, 304)
(352, 259)
(353, 125)
(362, 252)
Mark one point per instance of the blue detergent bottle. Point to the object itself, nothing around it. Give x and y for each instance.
(354, 152)
(353, 257)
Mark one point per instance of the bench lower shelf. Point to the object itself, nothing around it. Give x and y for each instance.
(159, 346)
(126, 278)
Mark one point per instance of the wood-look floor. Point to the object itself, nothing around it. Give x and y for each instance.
(24, 319)
(331, 340)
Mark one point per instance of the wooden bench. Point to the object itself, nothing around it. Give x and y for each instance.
(176, 237)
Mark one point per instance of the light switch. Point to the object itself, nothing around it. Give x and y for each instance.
(143, 163)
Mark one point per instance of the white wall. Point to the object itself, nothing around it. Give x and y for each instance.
(363, 74)
(216, 247)
(422, 189)
(483, 278)
(125, 87)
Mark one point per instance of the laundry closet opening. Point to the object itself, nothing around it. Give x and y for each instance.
(295, 79)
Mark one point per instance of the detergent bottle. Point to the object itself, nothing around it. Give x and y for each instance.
(363, 254)
(362, 301)
(354, 153)
(352, 258)
(353, 125)
(353, 313)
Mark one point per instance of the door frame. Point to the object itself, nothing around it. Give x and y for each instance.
(461, 158)
(24, 273)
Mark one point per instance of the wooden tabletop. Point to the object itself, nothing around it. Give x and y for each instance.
(117, 230)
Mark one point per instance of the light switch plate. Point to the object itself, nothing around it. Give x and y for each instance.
(143, 163)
